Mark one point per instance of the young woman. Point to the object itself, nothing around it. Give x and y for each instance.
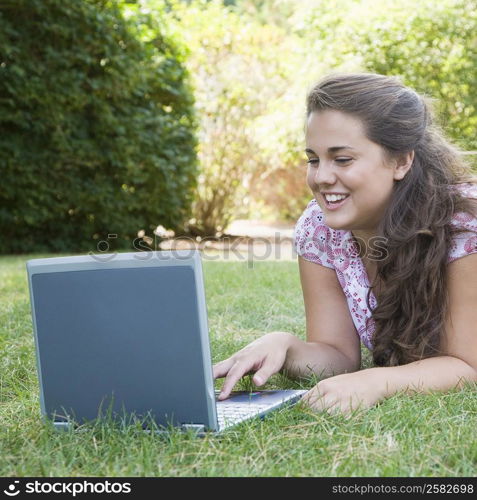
(387, 253)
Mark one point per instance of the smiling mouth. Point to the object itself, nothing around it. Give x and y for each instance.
(332, 205)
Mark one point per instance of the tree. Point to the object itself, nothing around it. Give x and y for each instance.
(96, 126)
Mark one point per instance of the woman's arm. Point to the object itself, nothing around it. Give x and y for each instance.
(305, 359)
(280, 351)
(331, 346)
(432, 374)
(457, 365)
(347, 392)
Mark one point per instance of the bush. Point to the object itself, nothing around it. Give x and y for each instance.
(96, 126)
(433, 47)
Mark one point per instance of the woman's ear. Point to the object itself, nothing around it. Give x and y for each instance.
(402, 165)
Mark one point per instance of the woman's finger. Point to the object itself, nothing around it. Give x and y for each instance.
(269, 367)
(235, 373)
(311, 397)
(222, 368)
(320, 401)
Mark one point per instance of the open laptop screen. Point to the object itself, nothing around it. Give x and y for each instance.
(121, 339)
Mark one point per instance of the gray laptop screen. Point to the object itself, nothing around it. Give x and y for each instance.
(115, 338)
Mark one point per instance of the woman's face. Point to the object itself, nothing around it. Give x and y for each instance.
(343, 161)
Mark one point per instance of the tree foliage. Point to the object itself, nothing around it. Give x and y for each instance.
(237, 76)
(251, 149)
(96, 126)
(431, 45)
(97, 118)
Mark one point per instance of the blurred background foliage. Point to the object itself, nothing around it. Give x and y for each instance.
(97, 126)
(197, 106)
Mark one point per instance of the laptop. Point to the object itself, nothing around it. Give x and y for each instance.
(126, 335)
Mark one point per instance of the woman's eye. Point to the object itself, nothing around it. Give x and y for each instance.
(343, 160)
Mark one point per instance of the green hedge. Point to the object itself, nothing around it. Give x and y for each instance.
(96, 126)
(432, 45)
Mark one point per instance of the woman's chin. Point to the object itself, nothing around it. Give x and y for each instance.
(338, 223)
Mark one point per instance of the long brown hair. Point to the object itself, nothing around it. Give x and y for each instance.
(412, 302)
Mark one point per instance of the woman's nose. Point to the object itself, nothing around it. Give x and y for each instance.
(325, 174)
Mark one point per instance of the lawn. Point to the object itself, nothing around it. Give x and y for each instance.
(420, 435)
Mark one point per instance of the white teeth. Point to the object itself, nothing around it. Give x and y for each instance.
(335, 197)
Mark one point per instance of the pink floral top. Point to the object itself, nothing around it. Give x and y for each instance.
(337, 249)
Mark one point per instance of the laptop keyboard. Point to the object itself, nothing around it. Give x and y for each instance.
(229, 414)
(243, 405)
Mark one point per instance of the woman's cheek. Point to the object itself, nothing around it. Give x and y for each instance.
(310, 181)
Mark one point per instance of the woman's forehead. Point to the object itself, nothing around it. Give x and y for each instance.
(331, 128)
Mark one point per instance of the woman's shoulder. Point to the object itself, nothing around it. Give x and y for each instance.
(467, 189)
(466, 220)
(464, 241)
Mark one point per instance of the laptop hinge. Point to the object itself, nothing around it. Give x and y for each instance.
(62, 426)
(193, 427)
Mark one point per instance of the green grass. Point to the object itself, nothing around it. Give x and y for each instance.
(420, 435)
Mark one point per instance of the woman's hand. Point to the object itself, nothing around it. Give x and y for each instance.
(348, 392)
(264, 357)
